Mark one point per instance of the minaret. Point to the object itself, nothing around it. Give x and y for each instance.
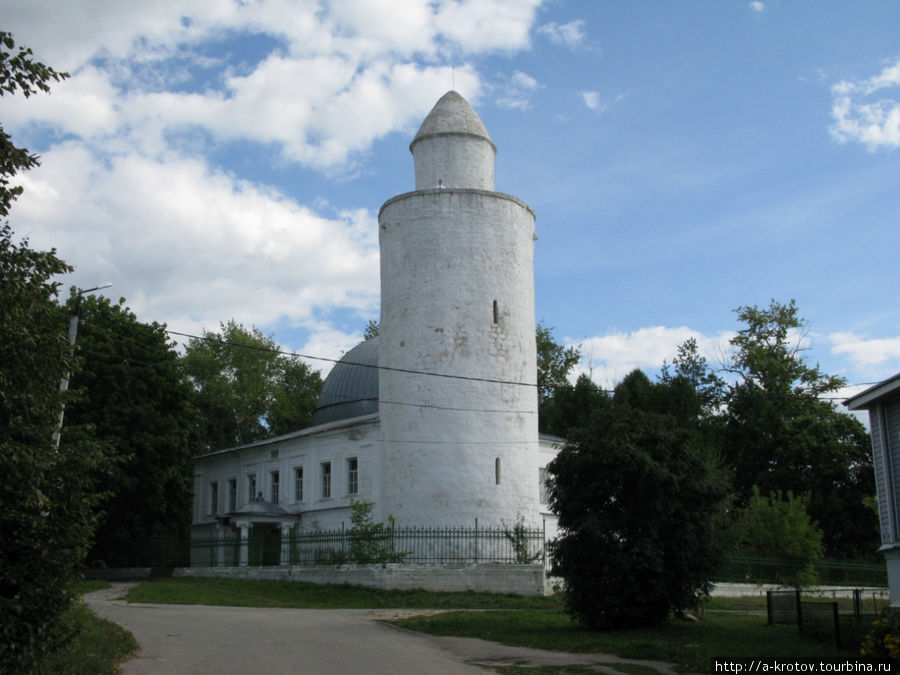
(457, 389)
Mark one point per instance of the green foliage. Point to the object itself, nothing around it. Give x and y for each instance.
(371, 543)
(637, 496)
(19, 72)
(244, 389)
(778, 526)
(882, 644)
(521, 542)
(779, 435)
(571, 407)
(95, 647)
(133, 394)
(46, 494)
(554, 362)
(373, 328)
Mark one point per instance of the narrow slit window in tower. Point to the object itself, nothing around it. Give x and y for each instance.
(496, 312)
(497, 471)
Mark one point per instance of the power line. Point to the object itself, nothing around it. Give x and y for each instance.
(408, 371)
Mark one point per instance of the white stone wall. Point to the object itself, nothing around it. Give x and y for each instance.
(309, 450)
(454, 160)
(457, 295)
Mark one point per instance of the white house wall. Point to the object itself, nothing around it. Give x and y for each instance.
(284, 455)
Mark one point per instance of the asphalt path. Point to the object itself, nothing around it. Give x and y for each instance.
(206, 639)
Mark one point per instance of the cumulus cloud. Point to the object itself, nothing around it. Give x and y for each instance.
(131, 187)
(866, 352)
(868, 111)
(609, 358)
(196, 246)
(757, 6)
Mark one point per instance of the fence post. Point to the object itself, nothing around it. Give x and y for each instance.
(476, 541)
(544, 542)
(837, 625)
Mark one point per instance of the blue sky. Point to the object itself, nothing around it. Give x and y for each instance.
(219, 160)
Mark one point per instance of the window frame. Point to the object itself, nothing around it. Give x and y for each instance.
(213, 498)
(298, 483)
(274, 485)
(352, 475)
(325, 482)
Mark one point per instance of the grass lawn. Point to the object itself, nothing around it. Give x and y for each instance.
(96, 646)
(688, 645)
(245, 593)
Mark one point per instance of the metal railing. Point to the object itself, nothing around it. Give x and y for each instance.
(757, 570)
(425, 545)
(843, 623)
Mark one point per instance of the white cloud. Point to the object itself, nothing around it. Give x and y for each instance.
(194, 246)
(569, 34)
(609, 358)
(515, 93)
(592, 101)
(757, 6)
(865, 352)
(857, 117)
(133, 193)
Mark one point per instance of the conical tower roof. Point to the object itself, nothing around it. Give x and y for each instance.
(452, 114)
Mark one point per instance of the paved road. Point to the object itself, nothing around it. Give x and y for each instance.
(201, 639)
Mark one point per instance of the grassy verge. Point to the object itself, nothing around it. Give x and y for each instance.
(96, 646)
(243, 593)
(687, 644)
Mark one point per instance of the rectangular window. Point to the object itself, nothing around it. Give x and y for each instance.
(352, 476)
(298, 484)
(275, 481)
(543, 491)
(232, 495)
(251, 487)
(214, 497)
(326, 480)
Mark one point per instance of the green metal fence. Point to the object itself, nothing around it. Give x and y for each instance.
(427, 545)
(755, 570)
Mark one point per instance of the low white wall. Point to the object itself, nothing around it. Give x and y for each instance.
(518, 579)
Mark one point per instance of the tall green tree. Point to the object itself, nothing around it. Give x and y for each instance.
(46, 493)
(778, 526)
(781, 434)
(638, 496)
(244, 389)
(132, 392)
(571, 407)
(554, 363)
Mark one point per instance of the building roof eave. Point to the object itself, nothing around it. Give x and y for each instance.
(865, 399)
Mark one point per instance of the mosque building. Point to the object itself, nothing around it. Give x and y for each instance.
(433, 422)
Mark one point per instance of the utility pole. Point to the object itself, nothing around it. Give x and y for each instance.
(74, 318)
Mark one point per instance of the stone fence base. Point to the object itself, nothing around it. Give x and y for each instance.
(518, 579)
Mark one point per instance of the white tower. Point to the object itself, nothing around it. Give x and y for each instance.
(457, 385)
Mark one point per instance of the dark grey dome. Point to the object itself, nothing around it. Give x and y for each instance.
(351, 388)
